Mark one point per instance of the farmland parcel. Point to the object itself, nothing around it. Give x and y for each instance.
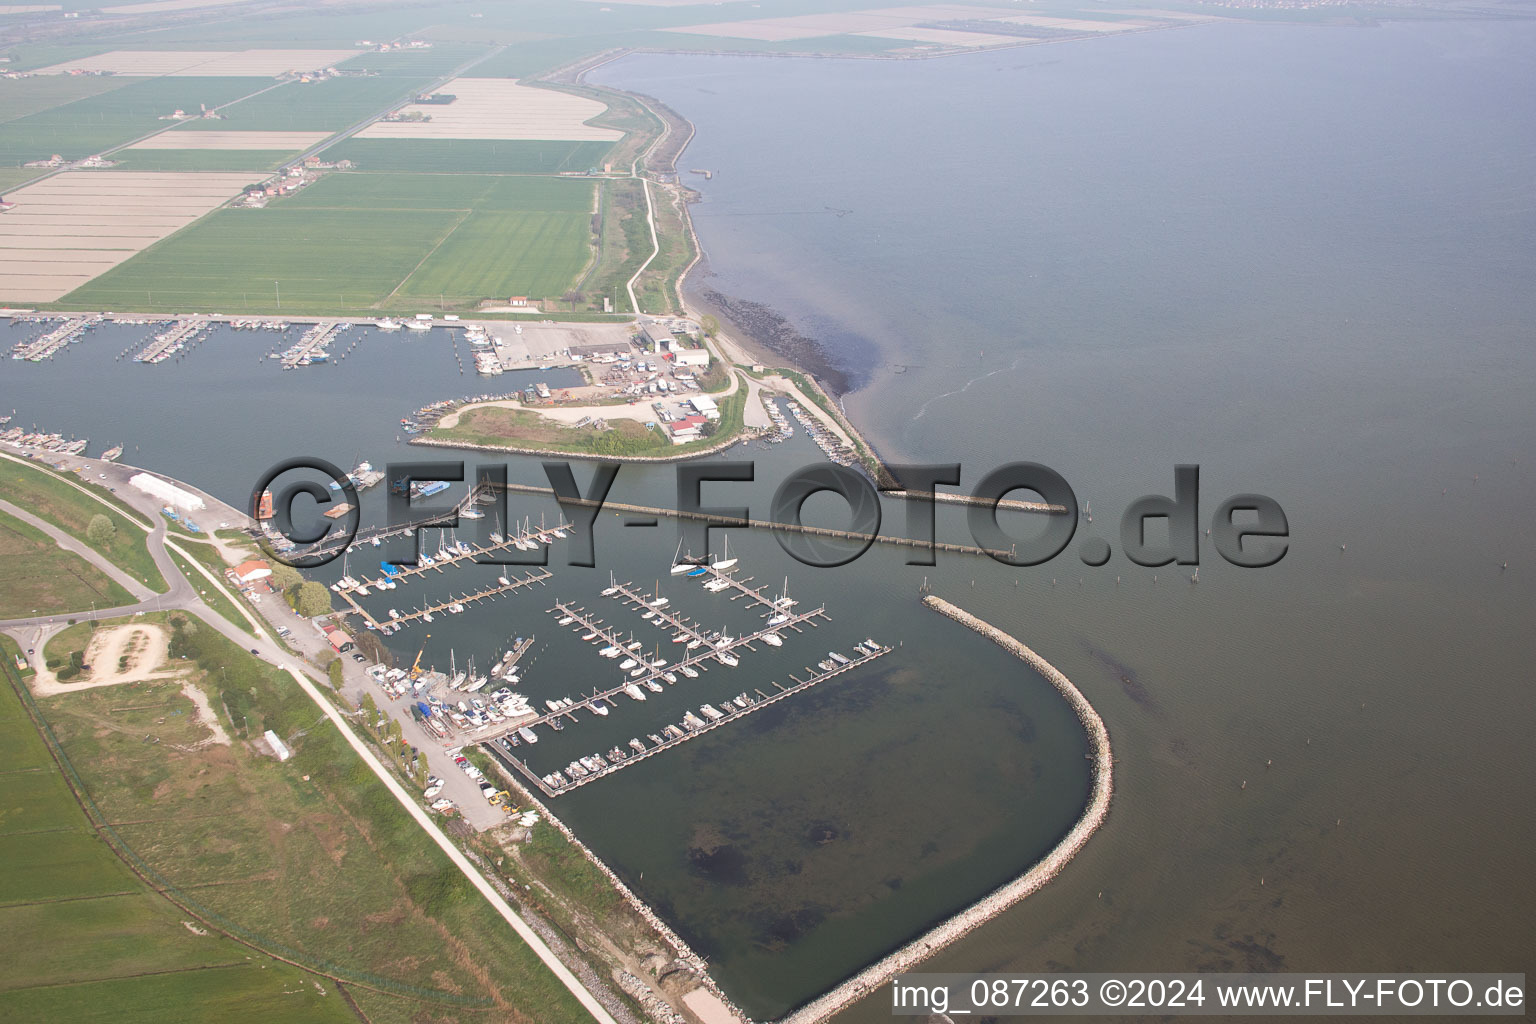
(203, 63)
(498, 108)
(68, 228)
(119, 951)
(310, 860)
(368, 242)
(95, 123)
(312, 106)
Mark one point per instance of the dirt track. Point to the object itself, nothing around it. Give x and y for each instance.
(142, 644)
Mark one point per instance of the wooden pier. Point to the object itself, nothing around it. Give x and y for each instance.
(684, 733)
(447, 558)
(509, 660)
(398, 622)
(313, 344)
(45, 346)
(167, 343)
(695, 658)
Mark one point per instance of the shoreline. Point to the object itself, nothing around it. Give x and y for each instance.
(1007, 895)
(697, 966)
(436, 442)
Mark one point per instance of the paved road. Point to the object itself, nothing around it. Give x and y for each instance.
(68, 543)
(306, 644)
(34, 632)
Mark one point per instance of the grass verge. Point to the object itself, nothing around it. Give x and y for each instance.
(55, 499)
(39, 577)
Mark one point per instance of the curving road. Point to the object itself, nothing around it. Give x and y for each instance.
(34, 632)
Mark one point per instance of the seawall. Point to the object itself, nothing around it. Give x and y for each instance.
(1031, 881)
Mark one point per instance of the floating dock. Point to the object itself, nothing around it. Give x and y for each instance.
(311, 347)
(167, 343)
(41, 348)
(676, 735)
(397, 622)
(695, 658)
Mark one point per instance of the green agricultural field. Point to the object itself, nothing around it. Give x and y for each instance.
(470, 156)
(326, 106)
(534, 57)
(97, 123)
(234, 260)
(235, 993)
(503, 254)
(31, 56)
(61, 503)
(442, 192)
(38, 575)
(310, 857)
(440, 60)
(367, 243)
(20, 97)
(115, 949)
(10, 177)
(259, 162)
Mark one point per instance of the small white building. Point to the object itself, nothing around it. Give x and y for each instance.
(705, 406)
(278, 746)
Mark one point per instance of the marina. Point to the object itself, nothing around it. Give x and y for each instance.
(180, 336)
(70, 331)
(704, 650)
(311, 348)
(599, 766)
(452, 606)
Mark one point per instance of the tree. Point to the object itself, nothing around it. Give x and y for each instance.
(312, 599)
(573, 297)
(708, 428)
(285, 577)
(100, 530)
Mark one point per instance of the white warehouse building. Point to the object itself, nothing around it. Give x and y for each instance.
(162, 490)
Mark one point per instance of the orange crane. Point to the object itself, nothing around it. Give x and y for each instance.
(416, 665)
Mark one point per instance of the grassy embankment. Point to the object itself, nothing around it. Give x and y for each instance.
(522, 428)
(38, 577)
(82, 938)
(213, 596)
(657, 288)
(310, 859)
(55, 499)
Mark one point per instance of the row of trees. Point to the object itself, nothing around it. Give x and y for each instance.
(306, 597)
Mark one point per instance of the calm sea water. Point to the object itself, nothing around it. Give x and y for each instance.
(1300, 257)
(789, 848)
